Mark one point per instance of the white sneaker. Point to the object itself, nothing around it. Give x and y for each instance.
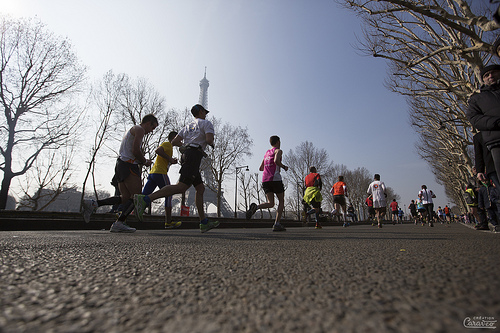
(89, 207)
(119, 226)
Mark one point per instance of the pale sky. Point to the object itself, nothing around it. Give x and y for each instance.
(278, 67)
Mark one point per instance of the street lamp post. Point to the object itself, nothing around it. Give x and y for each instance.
(236, 190)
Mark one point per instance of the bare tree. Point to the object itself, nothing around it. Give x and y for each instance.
(106, 94)
(232, 144)
(39, 73)
(139, 98)
(48, 179)
(122, 103)
(435, 50)
(245, 183)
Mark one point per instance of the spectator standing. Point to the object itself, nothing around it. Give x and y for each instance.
(470, 196)
(483, 113)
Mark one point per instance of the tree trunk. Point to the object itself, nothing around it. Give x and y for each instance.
(4, 191)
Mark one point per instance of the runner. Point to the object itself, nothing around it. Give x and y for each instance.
(426, 196)
(312, 195)
(394, 211)
(377, 190)
(158, 177)
(371, 210)
(413, 211)
(339, 191)
(127, 174)
(272, 182)
(192, 139)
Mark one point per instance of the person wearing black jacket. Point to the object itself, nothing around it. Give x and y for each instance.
(484, 114)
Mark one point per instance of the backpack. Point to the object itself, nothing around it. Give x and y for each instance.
(469, 199)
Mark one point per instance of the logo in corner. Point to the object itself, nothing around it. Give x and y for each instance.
(480, 322)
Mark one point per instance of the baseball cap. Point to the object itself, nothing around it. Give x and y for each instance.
(197, 108)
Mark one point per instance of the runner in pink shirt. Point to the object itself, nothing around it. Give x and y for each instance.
(272, 182)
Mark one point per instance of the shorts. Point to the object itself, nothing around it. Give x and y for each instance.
(380, 210)
(274, 187)
(124, 169)
(371, 210)
(339, 199)
(414, 213)
(157, 180)
(190, 167)
(315, 204)
(394, 212)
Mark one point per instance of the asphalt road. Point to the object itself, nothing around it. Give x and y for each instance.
(401, 278)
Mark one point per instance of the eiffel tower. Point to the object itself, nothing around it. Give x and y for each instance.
(210, 197)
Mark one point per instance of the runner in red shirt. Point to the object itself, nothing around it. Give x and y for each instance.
(394, 209)
(339, 191)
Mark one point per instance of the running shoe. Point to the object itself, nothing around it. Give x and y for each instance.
(318, 226)
(206, 225)
(251, 211)
(172, 225)
(89, 207)
(140, 206)
(278, 227)
(119, 226)
(345, 225)
(380, 225)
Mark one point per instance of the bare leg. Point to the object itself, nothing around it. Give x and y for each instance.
(281, 206)
(168, 214)
(129, 187)
(200, 189)
(168, 190)
(269, 203)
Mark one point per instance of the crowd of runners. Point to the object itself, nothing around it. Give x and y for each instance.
(192, 141)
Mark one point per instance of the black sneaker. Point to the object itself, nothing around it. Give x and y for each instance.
(251, 211)
(278, 227)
